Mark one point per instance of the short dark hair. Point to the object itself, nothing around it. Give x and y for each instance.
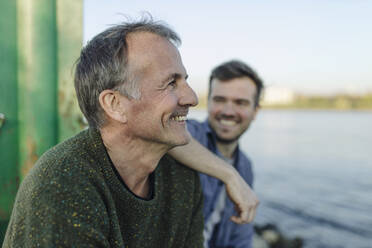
(236, 69)
(103, 64)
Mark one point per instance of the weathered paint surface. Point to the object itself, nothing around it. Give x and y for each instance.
(69, 42)
(9, 179)
(40, 41)
(37, 79)
(8, 107)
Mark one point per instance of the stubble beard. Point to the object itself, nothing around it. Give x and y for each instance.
(227, 141)
(231, 140)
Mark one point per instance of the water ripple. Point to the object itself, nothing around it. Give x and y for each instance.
(318, 219)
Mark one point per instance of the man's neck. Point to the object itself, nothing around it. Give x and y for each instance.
(227, 150)
(134, 159)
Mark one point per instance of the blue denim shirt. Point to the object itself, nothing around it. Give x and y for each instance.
(226, 234)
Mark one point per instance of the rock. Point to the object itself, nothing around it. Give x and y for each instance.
(259, 242)
(273, 238)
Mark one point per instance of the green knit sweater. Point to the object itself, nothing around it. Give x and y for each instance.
(73, 198)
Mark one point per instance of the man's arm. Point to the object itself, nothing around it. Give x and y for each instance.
(199, 158)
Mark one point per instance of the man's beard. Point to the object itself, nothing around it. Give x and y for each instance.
(227, 141)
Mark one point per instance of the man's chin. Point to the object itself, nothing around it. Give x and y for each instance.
(226, 140)
(183, 141)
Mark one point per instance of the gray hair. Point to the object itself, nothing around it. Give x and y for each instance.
(103, 64)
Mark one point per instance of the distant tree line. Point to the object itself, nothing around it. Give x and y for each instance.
(340, 101)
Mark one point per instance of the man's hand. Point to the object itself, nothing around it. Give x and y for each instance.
(243, 197)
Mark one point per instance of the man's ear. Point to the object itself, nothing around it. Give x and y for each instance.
(113, 103)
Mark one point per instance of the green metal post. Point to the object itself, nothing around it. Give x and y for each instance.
(37, 75)
(69, 28)
(9, 179)
(39, 43)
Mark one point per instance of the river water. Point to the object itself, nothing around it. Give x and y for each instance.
(313, 174)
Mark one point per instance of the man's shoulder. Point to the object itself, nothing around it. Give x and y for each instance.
(244, 167)
(68, 148)
(59, 195)
(64, 164)
(195, 124)
(244, 159)
(199, 131)
(73, 150)
(62, 177)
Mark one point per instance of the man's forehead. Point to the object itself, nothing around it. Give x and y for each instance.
(145, 45)
(142, 40)
(146, 50)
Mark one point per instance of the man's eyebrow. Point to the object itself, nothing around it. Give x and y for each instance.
(174, 76)
(243, 99)
(218, 96)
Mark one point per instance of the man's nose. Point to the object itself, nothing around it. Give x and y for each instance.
(228, 108)
(188, 96)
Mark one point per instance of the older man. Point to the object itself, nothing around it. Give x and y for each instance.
(112, 185)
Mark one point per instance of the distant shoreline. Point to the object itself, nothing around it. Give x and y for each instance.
(316, 108)
(204, 108)
(339, 102)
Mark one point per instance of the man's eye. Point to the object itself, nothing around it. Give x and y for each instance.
(218, 99)
(242, 102)
(172, 83)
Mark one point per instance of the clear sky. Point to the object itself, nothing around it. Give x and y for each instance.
(312, 46)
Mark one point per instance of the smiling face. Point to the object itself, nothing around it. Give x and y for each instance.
(159, 115)
(231, 108)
